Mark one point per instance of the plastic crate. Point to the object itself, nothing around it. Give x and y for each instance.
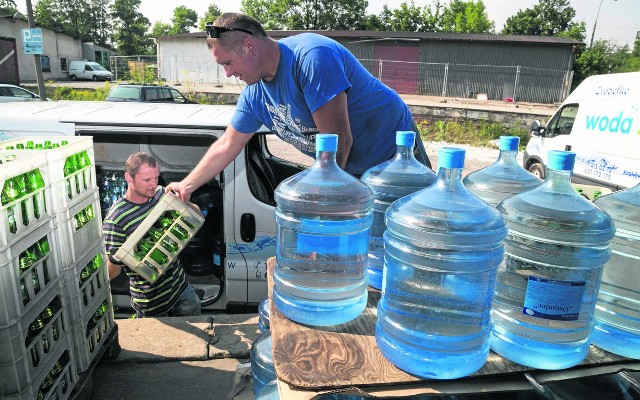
(76, 240)
(80, 182)
(87, 335)
(22, 164)
(47, 270)
(147, 267)
(22, 361)
(82, 295)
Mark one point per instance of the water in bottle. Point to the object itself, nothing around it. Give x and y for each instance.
(389, 181)
(323, 217)
(263, 315)
(617, 315)
(546, 289)
(443, 247)
(268, 392)
(504, 178)
(262, 369)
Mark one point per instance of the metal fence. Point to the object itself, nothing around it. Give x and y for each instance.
(493, 82)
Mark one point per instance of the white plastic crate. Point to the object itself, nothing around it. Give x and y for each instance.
(22, 360)
(88, 335)
(46, 270)
(80, 182)
(41, 198)
(76, 240)
(82, 295)
(189, 220)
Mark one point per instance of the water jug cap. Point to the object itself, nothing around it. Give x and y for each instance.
(451, 157)
(326, 142)
(508, 143)
(405, 138)
(561, 160)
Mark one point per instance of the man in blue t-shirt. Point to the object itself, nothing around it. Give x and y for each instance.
(298, 87)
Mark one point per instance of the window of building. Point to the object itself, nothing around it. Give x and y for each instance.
(44, 62)
(63, 64)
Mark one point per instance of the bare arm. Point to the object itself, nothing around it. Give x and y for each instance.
(113, 269)
(333, 117)
(219, 155)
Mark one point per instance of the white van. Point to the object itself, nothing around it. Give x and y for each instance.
(89, 70)
(240, 224)
(600, 122)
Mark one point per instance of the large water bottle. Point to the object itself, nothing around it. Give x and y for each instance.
(617, 326)
(323, 217)
(264, 315)
(268, 392)
(391, 180)
(443, 247)
(504, 178)
(546, 290)
(262, 369)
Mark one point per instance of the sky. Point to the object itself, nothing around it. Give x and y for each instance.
(618, 20)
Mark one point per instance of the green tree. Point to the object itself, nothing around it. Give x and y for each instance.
(86, 20)
(210, 15)
(407, 18)
(466, 17)
(8, 7)
(547, 18)
(130, 27)
(183, 20)
(160, 29)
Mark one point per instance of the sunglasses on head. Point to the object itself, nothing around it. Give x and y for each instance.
(215, 31)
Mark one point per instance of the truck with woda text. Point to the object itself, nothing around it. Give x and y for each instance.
(226, 261)
(600, 122)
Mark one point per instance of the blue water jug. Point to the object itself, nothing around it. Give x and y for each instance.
(391, 180)
(504, 178)
(443, 247)
(268, 392)
(262, 369)
(546, 289)
(618, 307)
(263, 315)
(323, 217)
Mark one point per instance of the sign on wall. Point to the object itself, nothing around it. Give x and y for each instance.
(32, 41)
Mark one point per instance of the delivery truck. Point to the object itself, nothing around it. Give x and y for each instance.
(226, 261)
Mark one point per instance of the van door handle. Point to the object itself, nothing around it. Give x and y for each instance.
(248, 227)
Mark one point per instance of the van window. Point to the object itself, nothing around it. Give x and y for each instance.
(88, 68)
(562, 123)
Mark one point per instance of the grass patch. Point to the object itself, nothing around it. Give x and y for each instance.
(67, 93)
(471, 132)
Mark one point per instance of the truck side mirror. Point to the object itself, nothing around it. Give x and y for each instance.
(536, 128)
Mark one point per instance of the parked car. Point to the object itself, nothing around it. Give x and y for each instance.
(146, 93)
(12, 93)
(88, 70)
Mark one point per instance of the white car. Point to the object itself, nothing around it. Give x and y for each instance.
(12, 93)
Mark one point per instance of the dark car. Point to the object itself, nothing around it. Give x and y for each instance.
(146, 93)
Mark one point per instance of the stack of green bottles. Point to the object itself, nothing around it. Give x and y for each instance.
(96, 318)
(36, 330)
(51, 377)
(20, 187)
(83, 217)
(77, 163)
(26, 260)
(86, 273)
(157, 235)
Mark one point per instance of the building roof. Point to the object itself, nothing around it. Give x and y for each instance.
(361, 36)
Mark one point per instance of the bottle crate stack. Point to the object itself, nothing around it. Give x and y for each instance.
(55, 305)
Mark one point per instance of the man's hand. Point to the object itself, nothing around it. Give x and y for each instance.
(180, 189)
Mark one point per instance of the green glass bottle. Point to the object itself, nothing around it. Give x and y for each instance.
(29, 145)
(39, 146)
(47, 383)
(54, 332)
(31, 253)
(155, 234)
(179, 232)
(89, 213)
(40, 395)
(45, 343)
(42, 247)
(47, 314)
(80, 219)
(165, 222)
(159, 257)
(85, 274)
(76, 168)
(83, 163)
(173, 214)
(142, 248)
(57, 369)
(187, 223)
(21, 183)
(25, 292)
(36, 281)
(34, 183)
(170, 245)
(68, 169)
(35, 356)
(24, 261)
(97, 262)
(36, 326)
(19, 146)
(9, 194)
(47, 144)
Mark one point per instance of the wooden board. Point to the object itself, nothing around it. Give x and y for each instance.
(346, 355)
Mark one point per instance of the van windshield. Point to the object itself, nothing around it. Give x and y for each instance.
(98, 67)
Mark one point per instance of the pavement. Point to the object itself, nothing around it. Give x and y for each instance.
(178, 358)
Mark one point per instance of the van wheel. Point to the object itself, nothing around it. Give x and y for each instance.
(95, 78)
(537, 169)
(73, 77)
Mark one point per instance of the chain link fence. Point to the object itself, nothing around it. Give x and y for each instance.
(491, 82)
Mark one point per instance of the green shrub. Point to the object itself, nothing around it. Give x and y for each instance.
(472, 132)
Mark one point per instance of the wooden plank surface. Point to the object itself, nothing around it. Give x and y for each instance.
(346, 355)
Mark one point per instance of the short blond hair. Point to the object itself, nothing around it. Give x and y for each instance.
(136, 160)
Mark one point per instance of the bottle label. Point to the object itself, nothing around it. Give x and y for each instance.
(553, 299)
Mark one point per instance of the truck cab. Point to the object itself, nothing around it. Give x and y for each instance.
(226, 261)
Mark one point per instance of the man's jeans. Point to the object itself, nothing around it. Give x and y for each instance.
(187, 305)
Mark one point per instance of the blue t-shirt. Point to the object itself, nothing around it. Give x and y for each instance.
(313, 69)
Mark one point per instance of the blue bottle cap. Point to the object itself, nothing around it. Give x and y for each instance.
(561, 160)
(450, 157)
(405, 138)
(326, 142)
(508, 143)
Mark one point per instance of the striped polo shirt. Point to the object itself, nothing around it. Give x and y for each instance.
(149, 298)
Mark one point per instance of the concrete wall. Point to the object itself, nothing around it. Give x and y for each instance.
(56, 46)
